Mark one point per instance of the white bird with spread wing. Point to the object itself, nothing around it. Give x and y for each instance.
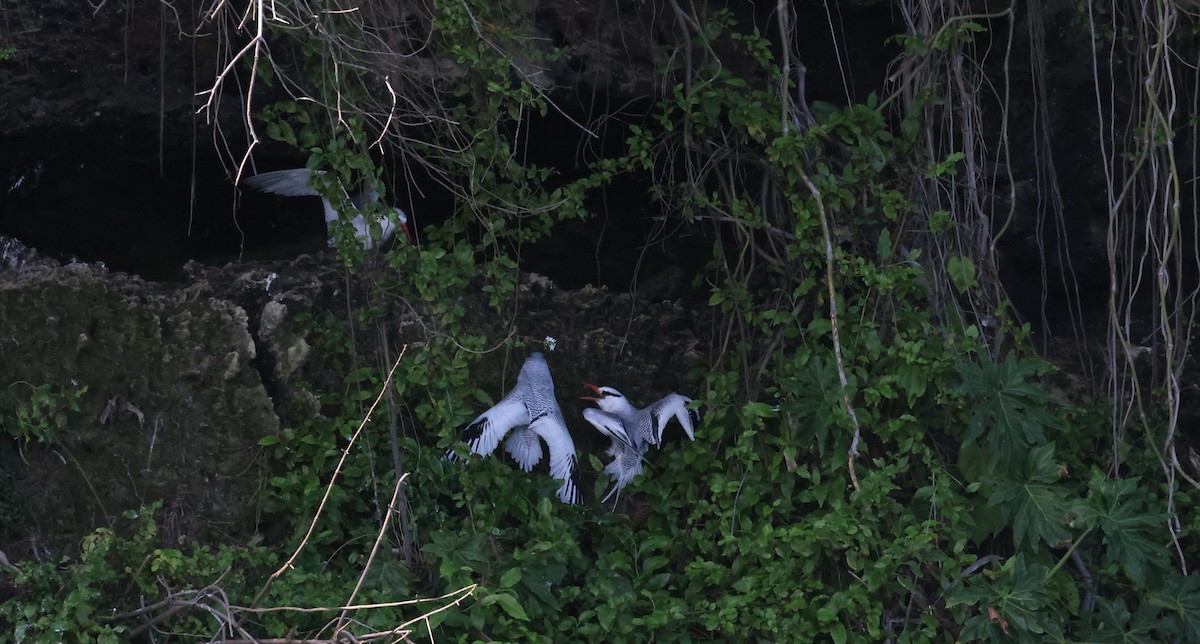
(633, 430)
(298, 182)
(528, 415)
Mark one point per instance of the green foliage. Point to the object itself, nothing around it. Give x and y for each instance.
(774, 516)
(1019, 601)
(91, 596)
(1179, 600)
(1010, 413)
(1035, 506)
(957, 518)
(756, 530)
(962, 274)
(39, 412)
(1118, 509)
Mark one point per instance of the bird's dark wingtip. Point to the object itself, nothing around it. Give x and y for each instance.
(573, 490)
(575, 494)
(474, 430)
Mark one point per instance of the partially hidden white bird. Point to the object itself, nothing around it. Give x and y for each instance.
(298, 182)
(526, 414)
(633, 430)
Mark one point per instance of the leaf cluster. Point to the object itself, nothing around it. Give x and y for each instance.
(39, 412)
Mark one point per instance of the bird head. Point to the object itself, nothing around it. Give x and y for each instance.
(388, 226)
(607, 398)
(402, 220)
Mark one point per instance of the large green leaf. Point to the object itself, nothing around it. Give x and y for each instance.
(1009, 413)
(1034, 501)
(1133, 536)
(1012, 607)
(1114, 623)
(1180, 597)
(508, 602)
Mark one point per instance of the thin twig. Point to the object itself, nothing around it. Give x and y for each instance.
(343, 619)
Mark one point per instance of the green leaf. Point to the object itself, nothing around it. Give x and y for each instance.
(962, 273)
(1129, 531)
(653, 563)
(1023, 603)
(1035, 503)
(913, 379)
(539, 579)
(508, 603)
(1018, 596)
(754, 410)
(1115, 624)
(883, 246)
(510, 578)
(1010, 413)
(1180, 598)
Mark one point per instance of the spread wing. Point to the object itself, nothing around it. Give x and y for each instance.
(673, 406)
(570, 491)
(296, 182)
(484, 433)
(289, 183)
(563, 462)
(609, 425)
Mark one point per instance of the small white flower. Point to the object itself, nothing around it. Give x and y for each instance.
(550, 343)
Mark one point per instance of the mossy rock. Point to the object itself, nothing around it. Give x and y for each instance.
(173, 408)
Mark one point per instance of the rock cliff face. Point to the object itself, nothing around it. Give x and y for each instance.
(174, 384)
(170, 404)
